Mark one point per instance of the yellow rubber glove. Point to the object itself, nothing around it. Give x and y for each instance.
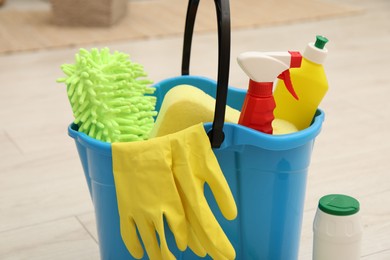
(194, 163)
(142, 202)
(147, 194)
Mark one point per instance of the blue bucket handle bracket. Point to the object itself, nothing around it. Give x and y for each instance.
(216, 134)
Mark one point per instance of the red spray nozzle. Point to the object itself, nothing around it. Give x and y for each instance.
(296, 59)
(295, 62)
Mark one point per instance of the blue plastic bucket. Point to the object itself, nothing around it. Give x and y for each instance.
(267, 176)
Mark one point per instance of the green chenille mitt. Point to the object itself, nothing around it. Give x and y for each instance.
(109, 97)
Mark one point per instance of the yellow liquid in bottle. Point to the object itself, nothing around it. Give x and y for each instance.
(310, 84)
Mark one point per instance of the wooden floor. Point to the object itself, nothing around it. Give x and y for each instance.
(45, 208)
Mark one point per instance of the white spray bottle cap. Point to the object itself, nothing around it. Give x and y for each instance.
(266, 66)
(316, 52)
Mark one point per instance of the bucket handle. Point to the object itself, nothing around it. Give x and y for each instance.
(216, 134)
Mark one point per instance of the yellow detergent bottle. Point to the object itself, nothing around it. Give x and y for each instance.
(310, 85)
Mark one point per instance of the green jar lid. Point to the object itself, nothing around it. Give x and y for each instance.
(339, 205)
(320, 42)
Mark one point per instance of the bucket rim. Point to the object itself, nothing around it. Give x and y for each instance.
(236, 134)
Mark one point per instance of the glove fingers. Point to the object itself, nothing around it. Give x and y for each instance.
(220, 188)
(219, 256)
(193, 164)
(130, 238)
(177, 223)
(210, 234)
(148, 234)
(194, 244)
(206, 166)
(165, 252)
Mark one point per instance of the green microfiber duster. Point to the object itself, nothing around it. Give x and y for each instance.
(108, 95)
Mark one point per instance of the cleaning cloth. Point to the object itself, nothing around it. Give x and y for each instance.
(163, 178)
(109, 96)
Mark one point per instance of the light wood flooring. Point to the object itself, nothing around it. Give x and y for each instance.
(45, 208)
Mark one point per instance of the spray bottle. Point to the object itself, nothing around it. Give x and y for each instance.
(262, 69)
(310, 84)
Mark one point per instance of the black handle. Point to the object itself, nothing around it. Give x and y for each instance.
(216, 134)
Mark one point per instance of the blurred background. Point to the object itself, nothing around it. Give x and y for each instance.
(45, 208)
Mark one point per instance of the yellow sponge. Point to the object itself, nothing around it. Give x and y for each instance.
(281, 127)
(185, 106)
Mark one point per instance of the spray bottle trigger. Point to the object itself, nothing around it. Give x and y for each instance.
(285, 76)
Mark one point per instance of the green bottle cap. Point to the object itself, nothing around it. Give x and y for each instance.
(339, 205)
(320, 42)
